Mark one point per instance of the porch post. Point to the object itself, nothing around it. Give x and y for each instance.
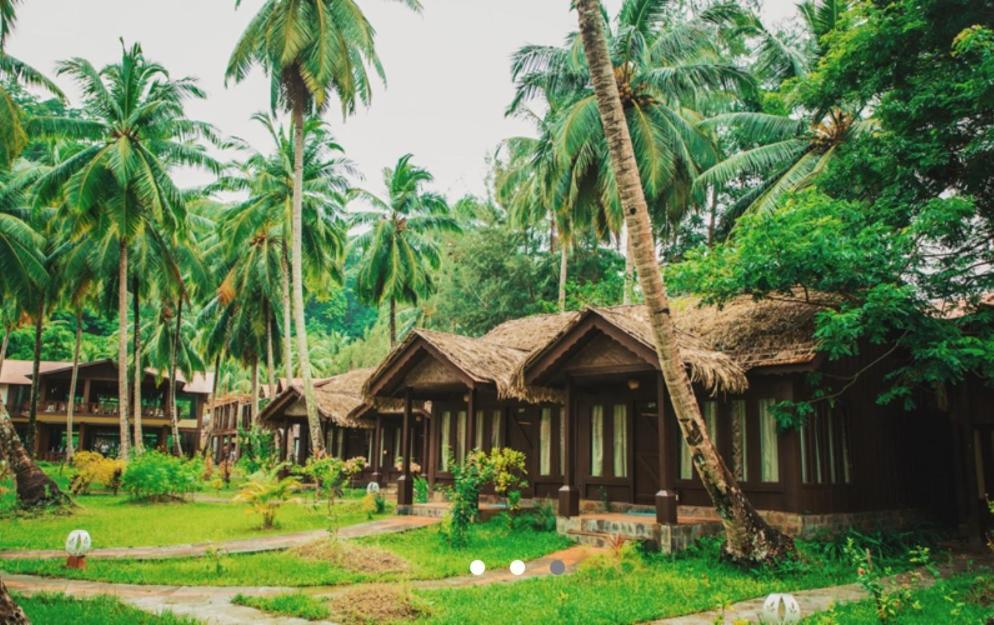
(405, 490)
(471, 421)
(286, 440)
(666, 497)
(377, 449)
(424, 443)
(569, 496)
(430, 432)
(85, 409)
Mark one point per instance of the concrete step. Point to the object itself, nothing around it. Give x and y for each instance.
(632, 530)
(592, 539)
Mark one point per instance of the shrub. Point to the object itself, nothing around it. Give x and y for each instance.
(291, 604)
(422, 490)
(92, 468)
(507, 471)
(374, 503)
(266, 492)
(256, 449)
(467, 478)
(155, 475)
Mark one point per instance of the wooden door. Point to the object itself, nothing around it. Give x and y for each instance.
(522, 435)
(646, 452)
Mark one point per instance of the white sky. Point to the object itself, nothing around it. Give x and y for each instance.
(448, 70)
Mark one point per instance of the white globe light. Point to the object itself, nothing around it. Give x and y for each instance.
(78, 543)
(780, 609)
(517, 568)
(372, 488)
(477, 567)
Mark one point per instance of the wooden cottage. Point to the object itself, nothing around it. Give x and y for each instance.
(582, 396)
(352, 427)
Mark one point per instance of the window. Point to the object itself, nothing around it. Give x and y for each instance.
(825, 449)
(397, 455)
(562, 442)
(769, 456)
(846, 467)
(478, 429)
(461, 437)
(597, 441)
(545, 443)
(497, 430)
(740, 438)
(621, 441)
(445, 453)
(341, 444)
(369, 453)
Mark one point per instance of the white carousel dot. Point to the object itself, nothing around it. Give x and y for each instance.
(517, 567)
(477, 567)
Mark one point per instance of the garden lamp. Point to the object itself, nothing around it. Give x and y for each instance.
(780, 609)
(78, 544)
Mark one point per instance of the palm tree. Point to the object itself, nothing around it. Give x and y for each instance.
(749, 539)
(399, 250)
(310, 49)
(119, 183)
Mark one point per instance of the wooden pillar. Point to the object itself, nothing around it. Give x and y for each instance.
(377, 449)
(423, 459)
(431, 433)
(666, 497)
(86, 400)
(471, 421)
(569, 496)
(405, 486)
(285, 451)
(81, 432)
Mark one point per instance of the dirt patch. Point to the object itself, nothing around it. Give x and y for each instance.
(352, 557)
(375, 604)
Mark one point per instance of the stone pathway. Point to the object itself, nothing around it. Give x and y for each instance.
(390, 525)
(212, 604)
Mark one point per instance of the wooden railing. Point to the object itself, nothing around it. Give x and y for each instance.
(88, 410)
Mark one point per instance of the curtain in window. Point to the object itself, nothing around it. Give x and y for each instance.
(740, 433)
(369, 452)
(478, 429)
(833, 470)
(396, 444)
(446, 450)
(545, 443)
(461, 436)
(341, 444)
(496, 433)
(597, 441)
(621, 441)
(711, 420)
(562, 442)
(846, 467)
(769, 456)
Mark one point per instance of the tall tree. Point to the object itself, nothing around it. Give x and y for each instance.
(749, 539)
(134, 129)
(310, 49)
(399, 247)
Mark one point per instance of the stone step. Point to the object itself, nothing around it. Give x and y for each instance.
(633, 530)
(592, 539)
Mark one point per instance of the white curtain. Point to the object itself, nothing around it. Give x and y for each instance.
(496, 429)
(341, 444)
(461, 436)
(545, 443)
(446, 451)
(597, 441)
(621, 441)
(478, 432)
(396, 444)
(562, 442)
(769, 454)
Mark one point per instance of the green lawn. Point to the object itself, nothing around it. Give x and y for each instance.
(291, 604)
(640, 590)
(60, 610)
(118, 522)
(429, 557)
(964, 600)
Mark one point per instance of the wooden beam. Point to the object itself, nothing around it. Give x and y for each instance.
(569, 496)
(666, 497)
(405, 489)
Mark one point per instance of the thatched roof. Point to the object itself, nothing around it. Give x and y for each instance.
(339, 400)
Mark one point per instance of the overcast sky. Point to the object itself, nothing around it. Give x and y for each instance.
(448, 76)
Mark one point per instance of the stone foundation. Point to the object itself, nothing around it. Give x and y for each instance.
(801, 525)
(601, 530)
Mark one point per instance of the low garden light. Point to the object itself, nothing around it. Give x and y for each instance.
(780, 609)
(78, 544)
(372, 488)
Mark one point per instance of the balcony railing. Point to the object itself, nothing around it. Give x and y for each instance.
(90, 409)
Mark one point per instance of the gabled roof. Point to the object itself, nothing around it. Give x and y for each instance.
(19, 371)
(200, 383)
(339, 399)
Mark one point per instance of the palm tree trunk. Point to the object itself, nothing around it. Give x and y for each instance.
(629, 269)
(34, 488)
(171, 403)
(563, 269)
(70, 411)
(748, 538)
(3, 355)
(10, 612)
(297, 275)
(138, 372)
(713, 217)
(35, 382)
(122, 350)
(270, 362)
(255, 393)
(287, 310)
(393, 322)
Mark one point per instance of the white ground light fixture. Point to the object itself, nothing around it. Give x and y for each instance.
(78, 544)
(780, 609)
(372, 488)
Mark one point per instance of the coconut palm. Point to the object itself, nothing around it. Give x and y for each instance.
(119, 183)
(749, 539)
(311, 49)
(399, 245)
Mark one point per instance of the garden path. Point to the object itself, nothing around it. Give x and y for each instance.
(389, 525)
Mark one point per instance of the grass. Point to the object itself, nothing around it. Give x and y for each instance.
(429, 556)
(967, 599)
(638, 589)
(290, 604)
(50, 609)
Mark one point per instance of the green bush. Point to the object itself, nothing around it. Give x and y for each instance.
(422, 490)
(158, 476)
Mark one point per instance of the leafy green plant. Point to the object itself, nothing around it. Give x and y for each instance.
(422, 490)
(90, 467)
(289, 604)
(256, 449)
(373, 504)
(507, 472)
(157, 476)
(266, 492)
(888, 600)
(467, 479)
